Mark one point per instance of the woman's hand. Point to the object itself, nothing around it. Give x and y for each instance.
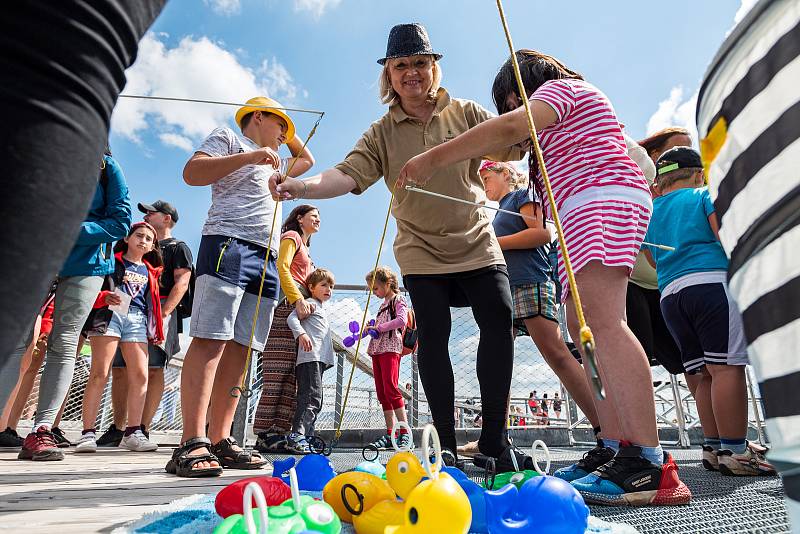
(112, 299)
(283, 188)
(303, 308)
(305, 342)
(417, 171)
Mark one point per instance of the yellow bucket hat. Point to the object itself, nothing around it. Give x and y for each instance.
(258, 103)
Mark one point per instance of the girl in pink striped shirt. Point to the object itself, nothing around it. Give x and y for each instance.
(604, 203)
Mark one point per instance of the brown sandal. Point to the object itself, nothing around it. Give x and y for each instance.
(237, 459)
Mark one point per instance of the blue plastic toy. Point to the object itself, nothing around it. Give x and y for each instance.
(313, 471)
(477, 500)
(371, 467)
(354, 336)
(544, 505)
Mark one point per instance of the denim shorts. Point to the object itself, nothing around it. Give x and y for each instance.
(129, 329)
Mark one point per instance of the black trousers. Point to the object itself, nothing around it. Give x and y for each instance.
(643, 311)
(63, 66)
(487, 292)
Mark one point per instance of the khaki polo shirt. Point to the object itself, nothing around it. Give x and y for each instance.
(434, 235)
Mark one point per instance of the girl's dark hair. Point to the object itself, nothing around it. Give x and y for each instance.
(153, 257)
(655, 143)
(535, 67)
(291, 222)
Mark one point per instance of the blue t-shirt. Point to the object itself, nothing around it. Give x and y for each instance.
(135, 284)
(680, 220)
(525, 266)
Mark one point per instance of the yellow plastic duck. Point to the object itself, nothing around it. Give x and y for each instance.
(355, 492)
(404, 472)
(437, 505)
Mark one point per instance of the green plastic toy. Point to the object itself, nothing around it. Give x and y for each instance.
(518, 478)
(298, 514)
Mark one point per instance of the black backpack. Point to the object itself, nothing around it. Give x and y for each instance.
(184, 307)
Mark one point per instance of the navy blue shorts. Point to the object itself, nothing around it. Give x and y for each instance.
(706, 325)
(239, 263)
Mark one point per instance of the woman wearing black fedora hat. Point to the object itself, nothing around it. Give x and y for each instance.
(448, 253)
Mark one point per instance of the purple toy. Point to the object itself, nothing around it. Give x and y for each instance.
(350, 340)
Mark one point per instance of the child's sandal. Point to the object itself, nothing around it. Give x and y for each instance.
(182, 463)
(233, 459)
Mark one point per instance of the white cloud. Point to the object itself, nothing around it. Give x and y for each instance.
(177, 140)
(744, 8)
(224, 7)
(675, 111)
(196, 68)
(315, 7)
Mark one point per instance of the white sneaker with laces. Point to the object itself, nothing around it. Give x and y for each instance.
(86, 443)
(137, 442)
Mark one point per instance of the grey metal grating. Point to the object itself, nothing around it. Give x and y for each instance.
(720, 505)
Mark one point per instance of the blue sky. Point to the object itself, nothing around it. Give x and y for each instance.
(647, 57)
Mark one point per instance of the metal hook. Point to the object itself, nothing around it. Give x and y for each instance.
(597, 383)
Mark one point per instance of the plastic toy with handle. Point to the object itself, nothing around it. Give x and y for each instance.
(312, 471)
(354, 336)
(298, 514)
(436, 505)
(544, 505)
(494, 480)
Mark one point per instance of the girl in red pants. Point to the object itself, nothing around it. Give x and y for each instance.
(385, 351)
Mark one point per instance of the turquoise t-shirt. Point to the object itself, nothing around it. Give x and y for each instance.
(680, 220)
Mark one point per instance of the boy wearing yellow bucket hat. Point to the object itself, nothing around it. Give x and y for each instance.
(230, 261)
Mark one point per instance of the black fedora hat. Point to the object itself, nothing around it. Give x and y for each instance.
(408, 40)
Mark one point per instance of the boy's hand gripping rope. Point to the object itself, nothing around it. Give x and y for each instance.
(338, 433)
(244, 389)
(586, 337)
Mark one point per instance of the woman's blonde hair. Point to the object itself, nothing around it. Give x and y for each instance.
(517, 179)
(387, 92)
(384, 275)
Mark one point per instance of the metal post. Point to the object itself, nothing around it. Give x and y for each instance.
(756, 411)
(339, 386)
(683, 436)
(414, 415)
(569, 405)
(242, 414)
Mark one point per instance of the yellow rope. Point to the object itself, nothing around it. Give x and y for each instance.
(338, 433)
(243, 388)
(586, 337)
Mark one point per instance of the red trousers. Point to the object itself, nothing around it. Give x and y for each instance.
(386, 368)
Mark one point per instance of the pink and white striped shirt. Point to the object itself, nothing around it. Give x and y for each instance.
(585, 151)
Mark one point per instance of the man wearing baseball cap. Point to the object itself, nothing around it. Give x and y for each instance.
(230, 261)
(176, 300)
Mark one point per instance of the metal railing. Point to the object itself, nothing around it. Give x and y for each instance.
(674, 405)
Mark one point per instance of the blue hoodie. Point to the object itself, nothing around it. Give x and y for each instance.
(108, 220)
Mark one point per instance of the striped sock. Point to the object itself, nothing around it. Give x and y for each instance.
(714, 443)
(738, 446)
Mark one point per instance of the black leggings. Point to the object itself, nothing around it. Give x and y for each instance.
(63, 67)
(487, 292)
(643, 311)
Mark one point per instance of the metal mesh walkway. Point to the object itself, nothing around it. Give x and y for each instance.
(720, 505)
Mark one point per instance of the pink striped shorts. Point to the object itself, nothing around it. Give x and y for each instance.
(609, 231)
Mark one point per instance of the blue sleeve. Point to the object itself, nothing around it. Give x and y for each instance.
(117, 221)
(708, 206)
(521, 198)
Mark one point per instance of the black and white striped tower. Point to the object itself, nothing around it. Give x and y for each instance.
(748, 116)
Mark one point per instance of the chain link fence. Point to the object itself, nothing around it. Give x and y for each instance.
(532, 380)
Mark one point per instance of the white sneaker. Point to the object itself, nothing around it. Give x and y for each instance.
(86, 443)
(137, 442)
(752, 462)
